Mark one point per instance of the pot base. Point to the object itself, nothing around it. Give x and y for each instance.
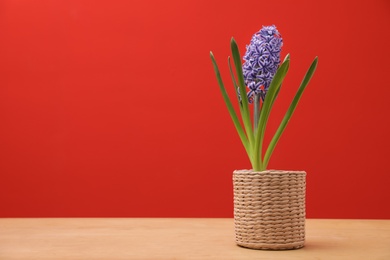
(291, 246)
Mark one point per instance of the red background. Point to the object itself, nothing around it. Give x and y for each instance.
(111, 108)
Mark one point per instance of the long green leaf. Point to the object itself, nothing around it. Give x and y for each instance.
(290, 111)
(265, 112)
(244, 99)
(287, 57)
(231, 110)
(235, 84)
(278, 90)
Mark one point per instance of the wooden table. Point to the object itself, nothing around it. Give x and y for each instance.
(159, 238)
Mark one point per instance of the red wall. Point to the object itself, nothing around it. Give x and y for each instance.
(111, 108)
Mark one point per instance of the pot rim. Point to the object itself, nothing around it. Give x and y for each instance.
(271, 171)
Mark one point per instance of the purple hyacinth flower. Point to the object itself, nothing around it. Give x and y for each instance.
(261, 60)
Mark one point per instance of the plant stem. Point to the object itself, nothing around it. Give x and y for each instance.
(256, 112)
(256, 116)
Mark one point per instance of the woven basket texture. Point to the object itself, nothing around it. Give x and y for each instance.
(269, 209)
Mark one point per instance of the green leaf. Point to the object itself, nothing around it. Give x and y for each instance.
(244, 99)
(287, 57)
(278, 90)
(290, 111)
(234, 84)
(231, 110)
(273, 90)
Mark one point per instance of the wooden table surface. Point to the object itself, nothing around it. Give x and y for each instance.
(170, 238)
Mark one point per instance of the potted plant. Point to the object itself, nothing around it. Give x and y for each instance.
(269, 205)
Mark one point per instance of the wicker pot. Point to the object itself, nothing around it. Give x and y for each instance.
(269, 209)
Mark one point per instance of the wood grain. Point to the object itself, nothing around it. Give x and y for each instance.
(170, 238)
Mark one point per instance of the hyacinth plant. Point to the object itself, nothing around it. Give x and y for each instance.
(257, 82)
